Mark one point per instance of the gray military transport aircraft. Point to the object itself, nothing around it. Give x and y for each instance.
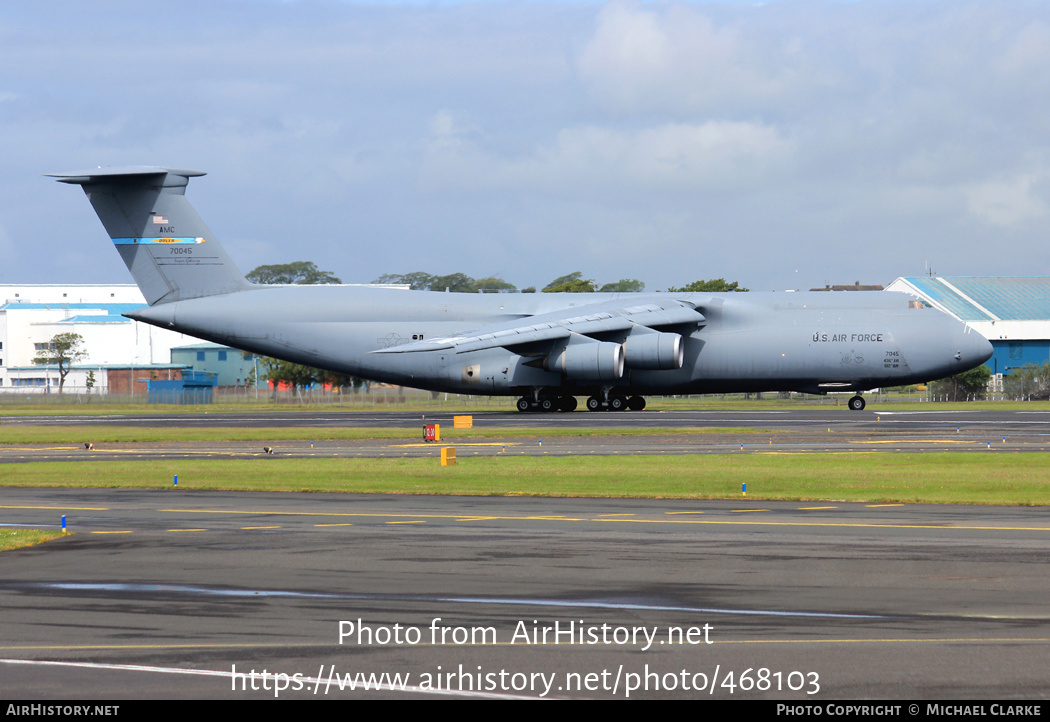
(546, 348)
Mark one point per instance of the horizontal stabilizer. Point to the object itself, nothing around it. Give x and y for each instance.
(131, 173)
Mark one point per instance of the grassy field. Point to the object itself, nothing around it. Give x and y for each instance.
(957, 478)
(154, 434)
(18, 538)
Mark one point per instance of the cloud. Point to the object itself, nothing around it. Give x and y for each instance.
(1006, 203)
(587, 160)
(472, 133)
(677, 58)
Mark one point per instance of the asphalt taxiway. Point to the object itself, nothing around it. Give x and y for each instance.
(175, 593)
(1034, 420)
(167, 593)
(735, 432)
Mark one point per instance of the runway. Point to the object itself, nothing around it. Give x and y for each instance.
(1035, 420)
(184, 594)
(167, 593)
(647, 433)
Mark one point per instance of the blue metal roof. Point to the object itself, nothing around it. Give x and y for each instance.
(113, 309)
(1009, 299)
(1015, 299)
(96, 318)
(960, 306)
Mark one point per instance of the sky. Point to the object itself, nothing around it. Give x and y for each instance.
(785, 145)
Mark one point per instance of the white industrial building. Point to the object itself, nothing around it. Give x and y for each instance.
(31, 315)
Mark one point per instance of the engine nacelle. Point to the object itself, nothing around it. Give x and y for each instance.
(654, 351)
(588, 361)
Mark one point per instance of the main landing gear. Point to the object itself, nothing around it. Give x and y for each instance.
(548, 404)
(856, 403)
(616, 403)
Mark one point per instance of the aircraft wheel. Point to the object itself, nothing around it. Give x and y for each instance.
(856, 403)
(547, 405)
(594, 404)
(636, 403)
(524, 404)
(617, 403)
(567, 403)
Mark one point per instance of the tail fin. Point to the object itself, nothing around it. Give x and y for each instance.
(170, 252)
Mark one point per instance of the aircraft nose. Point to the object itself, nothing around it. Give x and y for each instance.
(969, 347)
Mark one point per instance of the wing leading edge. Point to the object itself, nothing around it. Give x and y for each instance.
(600, 322)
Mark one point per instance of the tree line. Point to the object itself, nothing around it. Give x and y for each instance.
(305, 272)
(66, 349)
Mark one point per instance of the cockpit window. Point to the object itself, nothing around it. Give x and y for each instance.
(917, 303)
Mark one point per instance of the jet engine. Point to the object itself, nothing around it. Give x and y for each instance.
(587, 361)
(654, 351)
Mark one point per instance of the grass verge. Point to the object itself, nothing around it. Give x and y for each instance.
(18, 538)
(155, 434)
(955, 478)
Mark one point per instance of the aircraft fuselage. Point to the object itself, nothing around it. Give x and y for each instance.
(813, 342)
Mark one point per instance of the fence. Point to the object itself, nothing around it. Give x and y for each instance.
(395, 397)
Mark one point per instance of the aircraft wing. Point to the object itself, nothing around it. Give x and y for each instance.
(598, 321)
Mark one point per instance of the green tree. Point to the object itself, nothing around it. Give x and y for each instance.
(961, 387)
(300, 272)
(562, 280)
(1028, 381)
(417, 281)
(494, 284)
(624, 285)
(63, 350)
(455, 283)
(571, 283)
(285, 372)
(580, 286)
(715, 285)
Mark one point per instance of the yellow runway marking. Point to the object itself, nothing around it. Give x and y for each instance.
(845, 525)
(43, 448)
(683, 512)
(876, 506)
(374, 515)
(432, 445)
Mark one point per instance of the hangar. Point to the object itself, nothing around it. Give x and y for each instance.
(1012, 313)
